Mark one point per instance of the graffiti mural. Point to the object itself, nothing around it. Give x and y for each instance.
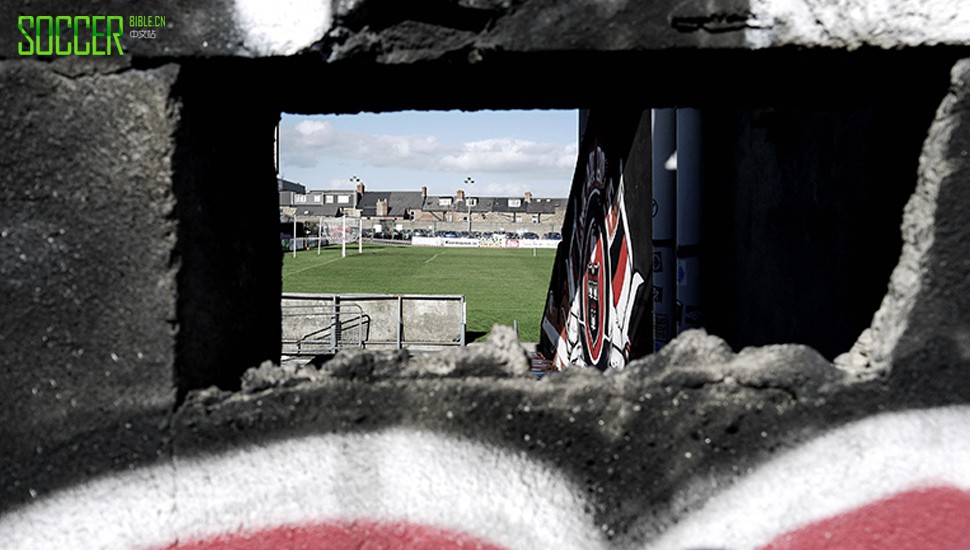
(596, 313)
(897, 480)
(398, 488)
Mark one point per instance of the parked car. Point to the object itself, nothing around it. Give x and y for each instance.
(553, 236)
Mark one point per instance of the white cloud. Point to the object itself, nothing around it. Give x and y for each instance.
(506, 189)
(314, 130)
(312, 142)
(512, 155)
(308, 142)
(404, 151)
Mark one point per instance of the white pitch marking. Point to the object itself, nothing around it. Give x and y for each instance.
(428, 261)
(309, 267)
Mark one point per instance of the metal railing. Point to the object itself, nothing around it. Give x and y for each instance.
(318, 328)
(324, 323)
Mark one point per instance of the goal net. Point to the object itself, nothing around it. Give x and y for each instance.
(339, 230)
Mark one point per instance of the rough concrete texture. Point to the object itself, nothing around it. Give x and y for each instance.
(393, 32)
(125, 281)
(99, 332)
(922, 322)
(607, 434)
(576, 460)
(87, 272)
(191, 29)
(857, 23)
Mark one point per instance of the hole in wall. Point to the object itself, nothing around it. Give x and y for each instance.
(803, 82)
(801, 214)
(420, 203)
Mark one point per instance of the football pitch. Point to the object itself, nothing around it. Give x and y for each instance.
(499, 285)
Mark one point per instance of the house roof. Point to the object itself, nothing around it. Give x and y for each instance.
(398, 202)
(325, 210)
(431, 203)
(401, 202)
(482, 204)
(331, 192)
(545, 206)
(287, 185)
(494, 204)
(501, 204)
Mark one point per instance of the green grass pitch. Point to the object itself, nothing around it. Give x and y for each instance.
(500, 285)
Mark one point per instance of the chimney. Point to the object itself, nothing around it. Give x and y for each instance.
(360, 188)
(424, 191)
(528, 196)
(460, 195)
(381, 207)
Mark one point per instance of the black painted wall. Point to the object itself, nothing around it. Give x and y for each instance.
(803, 215)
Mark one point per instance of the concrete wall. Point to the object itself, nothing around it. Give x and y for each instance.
(377, 321)
(89, 330)
(697, 446)
(802, 216)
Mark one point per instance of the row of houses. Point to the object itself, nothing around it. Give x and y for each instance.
(416, 206)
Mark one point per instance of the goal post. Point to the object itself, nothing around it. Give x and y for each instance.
(343, 231)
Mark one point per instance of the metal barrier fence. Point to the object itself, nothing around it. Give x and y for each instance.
(314, 324)
(314, 328)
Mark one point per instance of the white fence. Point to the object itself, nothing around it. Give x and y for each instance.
(484, 243)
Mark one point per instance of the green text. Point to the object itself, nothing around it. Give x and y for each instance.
(70, 35)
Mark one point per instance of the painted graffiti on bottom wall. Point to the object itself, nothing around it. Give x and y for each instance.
(398, 488)
(340, 535)
(899, 480)
(931, 518)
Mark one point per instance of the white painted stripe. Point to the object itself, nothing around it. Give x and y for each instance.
(861, 463)
(281, 27)
(428, 261)
(397, 475)
(309, 267)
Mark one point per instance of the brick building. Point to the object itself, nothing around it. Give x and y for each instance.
(418, 208)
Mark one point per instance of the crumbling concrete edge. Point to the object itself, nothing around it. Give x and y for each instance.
(873, 353)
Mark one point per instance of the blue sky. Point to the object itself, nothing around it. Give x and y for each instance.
(504, 152)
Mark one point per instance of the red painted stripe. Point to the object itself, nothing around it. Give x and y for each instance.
(595, 346)
(341, 535)
(621, 270)
(935, 518)
(611, 220)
